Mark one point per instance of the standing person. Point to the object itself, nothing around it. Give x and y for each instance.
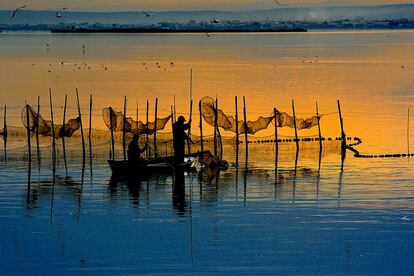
(179, 137)
(134, 151)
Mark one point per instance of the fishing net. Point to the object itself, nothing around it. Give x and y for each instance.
(44, 127)
(115, 120)
(229, 123)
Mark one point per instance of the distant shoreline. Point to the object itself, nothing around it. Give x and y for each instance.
(167, 31)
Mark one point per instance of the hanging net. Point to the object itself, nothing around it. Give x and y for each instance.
(115, 120)
(44, 127)
(229, 123)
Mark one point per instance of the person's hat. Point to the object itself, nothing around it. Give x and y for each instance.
(181, 119)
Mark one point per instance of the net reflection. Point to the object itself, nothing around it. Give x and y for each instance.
(288, 181)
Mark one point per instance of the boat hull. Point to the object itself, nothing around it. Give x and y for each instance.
(145, 168)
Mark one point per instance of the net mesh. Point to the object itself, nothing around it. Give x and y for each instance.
(44, 127)
(115, 120)
(229, 123)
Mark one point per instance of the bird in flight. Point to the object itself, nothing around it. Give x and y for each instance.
(278, 3)
(147, 14)
(15, 11)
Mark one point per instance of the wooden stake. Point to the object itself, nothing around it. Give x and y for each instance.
(147, 132)
(37, 131)
(63, 136)
(245, 128)
(175, 111)
(111, 112)
(215, 127)
(191, 111)
(53, 133)
(201, 127)
(90, 119)
(137, 119)
(155, 125)
(276, 127)
(172, 124)
(237, 130)
(29, 146)
(123, 129)
(408, 133)
(237, 120)
(319, 126)
(343, 136)
(189, 130)
(294, 124)
(81, 127)
(90, 131)
(5, 133)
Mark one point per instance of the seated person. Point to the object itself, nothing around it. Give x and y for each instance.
(134, 151)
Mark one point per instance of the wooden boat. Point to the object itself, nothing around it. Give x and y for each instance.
(144, 168)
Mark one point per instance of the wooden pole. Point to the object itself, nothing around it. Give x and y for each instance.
(123, 129)
(53, 133)
(201, 127)
(137, 119)
(63, 136)
(245, 128)
(147, 132)
(111, 112)
(343, 136)
(191, 111)
(319, 126)
(237, 120)
(37, 131)
(294, 125)
(172, 125)
(189, 130)
(237, 129)
(215, 127)
(408, 133)
(5, 133)
(81, 126)
(175, 111)
(155, 125)
(90, 119)
(276, 127)
(90, 128)
(29, 146)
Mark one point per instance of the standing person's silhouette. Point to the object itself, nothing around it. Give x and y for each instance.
(179, 137)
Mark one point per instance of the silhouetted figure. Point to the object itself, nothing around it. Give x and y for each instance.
(179, 137)
(134, 151)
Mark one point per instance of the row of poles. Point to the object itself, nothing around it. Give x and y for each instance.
(216, 127)
(246, 142)
(54, 159)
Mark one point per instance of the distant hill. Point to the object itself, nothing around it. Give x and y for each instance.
(285, 13)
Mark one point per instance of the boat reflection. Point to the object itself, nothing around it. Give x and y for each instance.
(291, 183)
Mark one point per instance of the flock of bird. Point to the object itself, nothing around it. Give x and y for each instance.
(146, 13)
(157, 65)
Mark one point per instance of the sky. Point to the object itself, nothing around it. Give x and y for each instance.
(112, 5)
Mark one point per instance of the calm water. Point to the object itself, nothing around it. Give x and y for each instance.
(350, 217)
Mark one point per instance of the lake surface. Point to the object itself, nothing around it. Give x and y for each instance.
(276, 216)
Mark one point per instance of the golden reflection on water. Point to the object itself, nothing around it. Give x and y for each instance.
(370, 72)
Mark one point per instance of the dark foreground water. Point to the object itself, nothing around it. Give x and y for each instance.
(358, 220)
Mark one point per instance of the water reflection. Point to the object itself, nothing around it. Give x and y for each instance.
(178, 197)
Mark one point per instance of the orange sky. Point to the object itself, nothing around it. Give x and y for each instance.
(179, 4)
